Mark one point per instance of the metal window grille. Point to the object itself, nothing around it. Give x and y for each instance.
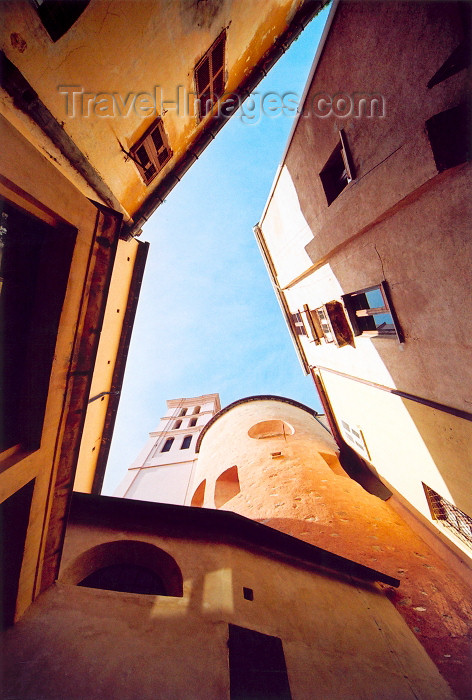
(450, 515)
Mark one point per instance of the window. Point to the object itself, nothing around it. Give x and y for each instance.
(328, 323)
(248, 593)
(186, 442)
(354, 436)
(270, 429)
(193, 422)
(130, 566)
(227, 486)
(197, 409)
(126, 578)
(152, 151)
(209, 76)
(338, 171)
(256, 666)
(323, 320)
(371, 312)
(298, 324)
(58, 16)
(177, 424)
(449, 136)
(449, 515)
(183, 412)
(167, 445)
(35, 260)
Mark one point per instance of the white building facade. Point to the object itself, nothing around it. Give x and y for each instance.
(164, 468)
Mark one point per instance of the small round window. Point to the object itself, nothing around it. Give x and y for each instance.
(270, 428)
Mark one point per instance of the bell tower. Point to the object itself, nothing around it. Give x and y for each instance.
(163, 469)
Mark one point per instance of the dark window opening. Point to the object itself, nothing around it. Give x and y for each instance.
(193, 422)
(167, 445)
(126, 578)
(256, 666)
(34, 270)
(129, 566)
(197, 409)
(209, 76)
(58, 16)
(450, 137)
(370, 312)
(177, 424)
(450, 515)
(186, 442)
(183, 412)
(14, 518)
(248, 593)
(338, 171)
(152, 151)
(298, 324)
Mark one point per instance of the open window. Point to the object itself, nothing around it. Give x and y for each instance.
(58, 16)
(449, 515)
(328, 324)
(338, 171)
(371, 312)
(35, 260)
(152, 151)
(210, 76)
(450, 136)
(127, 566)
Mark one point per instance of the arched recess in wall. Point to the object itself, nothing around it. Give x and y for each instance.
(226, 486)
(199, 495)
(270, 428)
(129, 566)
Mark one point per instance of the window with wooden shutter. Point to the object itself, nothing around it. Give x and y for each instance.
(210, 76)
(338, 171)
(298, 324)
(152, 151)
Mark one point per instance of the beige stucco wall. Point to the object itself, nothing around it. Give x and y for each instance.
(399, 220)
(339, 639)
(128, 50)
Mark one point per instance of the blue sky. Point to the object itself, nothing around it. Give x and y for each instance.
(208, 319)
